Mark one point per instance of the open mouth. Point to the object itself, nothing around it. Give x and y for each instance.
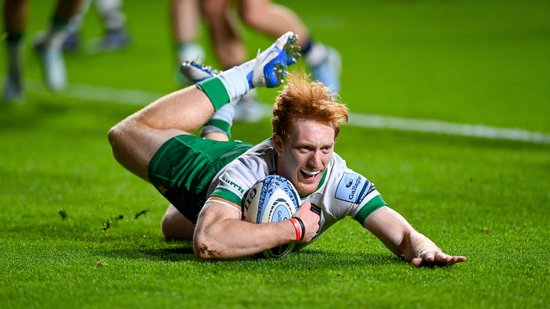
(308, 175)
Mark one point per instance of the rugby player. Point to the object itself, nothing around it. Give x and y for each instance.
(205, 177)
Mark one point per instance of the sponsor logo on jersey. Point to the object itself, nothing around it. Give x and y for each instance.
(353, 188)
(232, 184)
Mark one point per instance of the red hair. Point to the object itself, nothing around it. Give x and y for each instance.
(303, 99)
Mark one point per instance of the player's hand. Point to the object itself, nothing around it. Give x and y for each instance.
(435, 258)
(310, 219)
(425, 253)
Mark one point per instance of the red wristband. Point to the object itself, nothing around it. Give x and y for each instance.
(297, 228)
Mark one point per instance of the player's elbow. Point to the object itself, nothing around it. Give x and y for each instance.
(206, 248)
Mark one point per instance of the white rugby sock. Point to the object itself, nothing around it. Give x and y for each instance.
(228, 86)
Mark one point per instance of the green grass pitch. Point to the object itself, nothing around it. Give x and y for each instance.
(77, 230)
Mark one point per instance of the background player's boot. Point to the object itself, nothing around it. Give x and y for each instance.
(53, 65)
(328, 70)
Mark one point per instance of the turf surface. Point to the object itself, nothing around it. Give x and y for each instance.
(480, 62)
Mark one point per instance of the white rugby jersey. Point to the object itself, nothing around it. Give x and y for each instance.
(341, 192)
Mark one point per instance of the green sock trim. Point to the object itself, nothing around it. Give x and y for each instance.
(215, 91)
(14, 38)
(59, 23)
(220, 124)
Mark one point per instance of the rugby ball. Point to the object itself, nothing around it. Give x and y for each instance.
(272, 199)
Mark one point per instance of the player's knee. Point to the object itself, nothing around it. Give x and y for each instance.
(167, 226)
(117, 136)
(175, 226)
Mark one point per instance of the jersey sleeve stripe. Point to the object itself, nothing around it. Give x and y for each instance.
(226, 195)
(372, 205)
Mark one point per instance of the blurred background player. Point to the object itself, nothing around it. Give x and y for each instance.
(185, 21)
(48, 49)
(114, 21)
(266, 17)
(186, 17)
(273, 20)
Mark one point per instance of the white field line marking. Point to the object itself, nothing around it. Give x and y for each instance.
(441, 127)
(138, 97)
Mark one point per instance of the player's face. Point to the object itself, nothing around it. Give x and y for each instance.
(306, 153)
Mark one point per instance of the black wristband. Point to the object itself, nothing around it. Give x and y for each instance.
(316, 209)
(302, 225)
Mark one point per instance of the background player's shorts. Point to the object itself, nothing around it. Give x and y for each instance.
(184, 166)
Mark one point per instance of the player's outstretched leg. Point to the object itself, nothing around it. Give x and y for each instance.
(266, 70)
(137, 138)
(247, 109)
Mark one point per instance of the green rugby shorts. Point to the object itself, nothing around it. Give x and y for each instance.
(184, 166)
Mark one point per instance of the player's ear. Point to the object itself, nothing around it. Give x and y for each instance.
(277, 142)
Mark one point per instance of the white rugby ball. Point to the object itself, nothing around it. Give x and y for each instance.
(272, 199)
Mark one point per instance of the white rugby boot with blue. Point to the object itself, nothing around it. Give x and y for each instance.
(268, 69)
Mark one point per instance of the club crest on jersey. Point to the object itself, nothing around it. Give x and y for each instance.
(352, 188)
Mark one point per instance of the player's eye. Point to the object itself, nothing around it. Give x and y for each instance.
(303, 149)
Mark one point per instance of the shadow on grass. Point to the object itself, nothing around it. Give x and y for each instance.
(184, 252)
(129, 247)
(306, 259)
(25, 116)
(78, 117)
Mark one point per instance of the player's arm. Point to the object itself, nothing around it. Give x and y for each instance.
(221, 233)
(403, 240)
